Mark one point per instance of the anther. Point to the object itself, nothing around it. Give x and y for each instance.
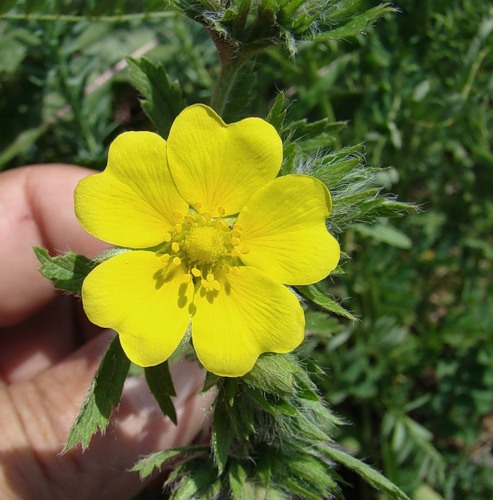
(236, 233)
(235, 241)
(165, 257)
(207, 215)
(176, 261)
(236, 271)
(178, 228)
(177, 214)
(175, 247)
(216, 285)
(238, 227)
(167, 237)
(234, 252)
(210, 277)
(244, 250)
(221, 211)
(197, 206)
(188, 218)
(195, 272)
(187, 278)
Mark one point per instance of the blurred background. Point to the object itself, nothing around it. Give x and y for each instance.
(414, 377)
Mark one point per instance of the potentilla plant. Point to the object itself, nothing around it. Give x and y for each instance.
(223, 232)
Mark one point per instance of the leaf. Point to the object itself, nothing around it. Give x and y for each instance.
(6, 5)
(273, 373)
(357, 24)
(103, 395)
(21, 143)
(156, 461)
(385, 233)
(277, 112)
(161, 385)
(222, 434)
(163, 100)
(67, 272)
(317, 296)
(369, 474)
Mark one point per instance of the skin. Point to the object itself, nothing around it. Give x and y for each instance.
(49, 354)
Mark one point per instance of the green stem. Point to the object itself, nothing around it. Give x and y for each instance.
(224, 84)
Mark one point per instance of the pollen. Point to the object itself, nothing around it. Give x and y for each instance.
(167, 237)
(204, 244)
(175, 247)
(176, 261)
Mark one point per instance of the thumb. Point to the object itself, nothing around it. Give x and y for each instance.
(39, 413)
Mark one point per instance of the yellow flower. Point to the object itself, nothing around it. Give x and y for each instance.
(215, 239)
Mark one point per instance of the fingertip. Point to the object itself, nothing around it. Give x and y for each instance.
(36, 203)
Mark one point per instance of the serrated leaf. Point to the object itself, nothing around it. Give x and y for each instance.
(103, 395)
(357, 24)
(67, 272)
(317, 296)
(161, 385)
(163, 100)
(369, 474)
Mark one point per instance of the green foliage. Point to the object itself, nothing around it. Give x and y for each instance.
(103, 395)
(161, 385)
(67, 272)
(162, 100)
(270, 438)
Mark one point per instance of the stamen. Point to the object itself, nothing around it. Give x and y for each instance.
(178, 228)
(221, 211)
(197, 206)
(244, 250)
(167, 237)
(165, 257)
(177, 214)
(236, 271)
(234, 252)
(226, 268)
(207, 215)
(238, 227)
(236, 233)
(235, 241)
(187, 278)
(188, 218)
(175, 247)
(210, 277)
(216, 285)
(176, 261)
(195, 272)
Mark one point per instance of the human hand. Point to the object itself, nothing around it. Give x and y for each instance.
(49, 354)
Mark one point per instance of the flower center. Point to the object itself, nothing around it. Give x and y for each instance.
(204, 244)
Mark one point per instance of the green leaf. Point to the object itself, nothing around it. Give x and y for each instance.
(357, 24)
(67, 272)
(277, 112)
(161, 385)
(156, 461)
(316, 295)
(369, 474)
(222, 434)
(241, 487)
(273, 373)
(385, 233)
(103, 395)
(162, 100)
(6, 5)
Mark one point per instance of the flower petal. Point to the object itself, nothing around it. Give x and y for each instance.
(250, 315)
(284, 230)
(144, 300)
(132, 202)
(219, 165)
